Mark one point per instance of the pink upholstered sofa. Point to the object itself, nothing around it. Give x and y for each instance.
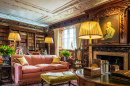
(38, 64)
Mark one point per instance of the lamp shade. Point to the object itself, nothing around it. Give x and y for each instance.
(90, 29)
(48, 40)
(14, 36)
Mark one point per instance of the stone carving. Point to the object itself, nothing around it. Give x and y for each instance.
(111, 49)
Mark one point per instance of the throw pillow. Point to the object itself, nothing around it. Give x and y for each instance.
(56, 60)
(22, 61)
(15, 59)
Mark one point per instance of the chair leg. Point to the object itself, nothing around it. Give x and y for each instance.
(41, 82)
(69, 83)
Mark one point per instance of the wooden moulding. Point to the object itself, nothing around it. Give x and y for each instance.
(23, 33)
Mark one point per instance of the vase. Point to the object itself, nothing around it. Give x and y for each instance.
(65, 59)
(5, 59)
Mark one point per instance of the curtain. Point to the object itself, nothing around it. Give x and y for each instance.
(78, 41)
(56, 41)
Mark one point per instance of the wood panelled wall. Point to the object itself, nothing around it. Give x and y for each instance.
(119, 7)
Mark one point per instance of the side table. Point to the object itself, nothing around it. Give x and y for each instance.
(6, 69)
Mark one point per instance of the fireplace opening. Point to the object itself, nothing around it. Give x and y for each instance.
(113, 60)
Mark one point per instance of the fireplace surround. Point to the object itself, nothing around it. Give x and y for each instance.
(118, 54)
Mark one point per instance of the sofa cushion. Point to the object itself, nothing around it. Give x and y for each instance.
(58, 66)
(56, 60)
(45, 66)
(22, 61)
(37, 59)
(30, 69)
(28, 59)
(48, 59)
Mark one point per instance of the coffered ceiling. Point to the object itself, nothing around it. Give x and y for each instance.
(45, 12)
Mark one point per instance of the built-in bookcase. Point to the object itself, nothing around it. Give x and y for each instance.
(23, 36)
(31, 37)
(40, 41)
(3, 36)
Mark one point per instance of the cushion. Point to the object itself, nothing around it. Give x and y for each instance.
(59, 66)
(38, 59)
(45, 67)
(48, 59)
(17, 61)
(22, 61)
(56, 60)
(53, 79)
(30, 69)
(28, 59)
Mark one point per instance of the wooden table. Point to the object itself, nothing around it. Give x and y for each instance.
(103, 80)
(6, 69)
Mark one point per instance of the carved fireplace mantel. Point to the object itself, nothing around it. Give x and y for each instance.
(122, 54)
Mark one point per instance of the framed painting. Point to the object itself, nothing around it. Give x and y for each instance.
(110, 28)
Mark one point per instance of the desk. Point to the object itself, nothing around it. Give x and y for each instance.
(6, 69)
(103, 80)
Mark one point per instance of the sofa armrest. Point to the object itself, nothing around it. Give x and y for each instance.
(65, 63)
(12, 64)
(18, 71)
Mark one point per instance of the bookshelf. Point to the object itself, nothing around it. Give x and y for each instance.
(31, 37)
(40, 41)
(3, 35)
(23, 36)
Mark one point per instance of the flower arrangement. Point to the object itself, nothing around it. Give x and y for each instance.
(7, 50)
(65, 53)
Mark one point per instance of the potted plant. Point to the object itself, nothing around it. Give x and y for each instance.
(5, 52)
(66, 55)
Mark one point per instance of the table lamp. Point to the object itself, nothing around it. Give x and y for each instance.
(15, 37)
(48, 40)
(90, 30)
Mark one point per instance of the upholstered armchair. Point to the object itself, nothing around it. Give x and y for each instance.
(95, 69)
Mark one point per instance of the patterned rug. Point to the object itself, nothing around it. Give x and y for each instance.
(39, 84)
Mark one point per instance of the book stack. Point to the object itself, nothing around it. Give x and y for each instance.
(1, 62)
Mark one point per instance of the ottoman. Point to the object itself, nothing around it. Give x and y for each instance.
(56, 79)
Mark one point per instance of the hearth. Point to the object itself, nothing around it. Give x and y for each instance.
(114, 58)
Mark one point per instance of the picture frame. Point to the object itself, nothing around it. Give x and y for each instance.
(110, 29)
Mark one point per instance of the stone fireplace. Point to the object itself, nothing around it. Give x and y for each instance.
(112, 55)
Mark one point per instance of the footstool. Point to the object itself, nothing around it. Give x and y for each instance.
(56, 79)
